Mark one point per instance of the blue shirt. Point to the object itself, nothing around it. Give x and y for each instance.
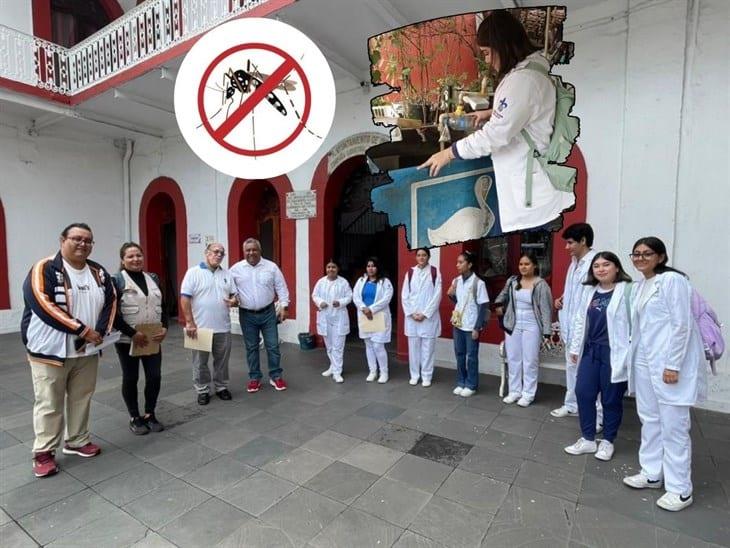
(368, 292)
(597, 322)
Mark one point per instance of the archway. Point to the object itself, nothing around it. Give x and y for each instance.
(4, 274)
(256, 209)
(162, 230)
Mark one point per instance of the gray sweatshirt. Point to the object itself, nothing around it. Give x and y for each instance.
(542, 304)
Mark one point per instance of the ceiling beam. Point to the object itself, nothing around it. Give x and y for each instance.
(140, 100)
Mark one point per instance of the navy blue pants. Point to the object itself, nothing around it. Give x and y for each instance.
(467, 359)
(594, 377)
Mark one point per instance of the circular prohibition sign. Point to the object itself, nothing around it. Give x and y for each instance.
(260, 93)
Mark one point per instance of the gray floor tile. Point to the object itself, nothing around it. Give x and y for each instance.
(4, 517)
(380, 411)
(409, 539)
(710, 525)
(16, 476)
(538, 411)
(228, 439)
(356, 528)
(473, 415)
(260, 450)
(441, 408)
(416, 419)
(107, 465)
(549, 480)
(7, 440)
(15, 454)
(554, 455)
(264, 422)
(396, 437)
(440, 449)
(39, 493)
(204, 525)
(358, 427)
(13, 536)
(257, 493)
(132, 484)
(372, 458)
(294, 433)
(152, 540)
(166, 503)
(341, 482)
(450, 523)
(256, 533)
(492, 464)
(604, 529)
(516, 425)
(298, 466)
(118, 529)
(196, 429)
(479, 492)
(303, 514)
(185, 459)
(615, 496)
(393, 501)
(331, 444)
(424, 474)
(674, 539)
(219, 474)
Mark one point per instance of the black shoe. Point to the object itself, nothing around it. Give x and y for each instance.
(138, 426)
(153, 424)
(224, 394)
(203, 399)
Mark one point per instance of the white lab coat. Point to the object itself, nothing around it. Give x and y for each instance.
(383, 295)
(422, 295)
(663, 325)
(332, 321)
(574, 293)
(524, 99)
(618, 330)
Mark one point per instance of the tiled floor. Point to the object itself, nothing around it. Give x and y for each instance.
(350, 465)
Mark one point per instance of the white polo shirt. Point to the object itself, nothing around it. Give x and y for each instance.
(259, 285)
(207, 291)
(468, 299)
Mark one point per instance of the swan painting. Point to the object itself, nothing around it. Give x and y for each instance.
(469, 223)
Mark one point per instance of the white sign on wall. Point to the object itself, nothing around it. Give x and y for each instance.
(194, 238)
(354, 145)
(301, 204)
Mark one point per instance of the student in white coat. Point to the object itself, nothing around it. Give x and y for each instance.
(331, 295)
(420, 298)
(524, 99)
(667, 373)
(372, 295)
(600, 344)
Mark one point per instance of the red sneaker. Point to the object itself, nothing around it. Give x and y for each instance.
(279, 384)
(44, 464)
(88, 450)
(254, 385)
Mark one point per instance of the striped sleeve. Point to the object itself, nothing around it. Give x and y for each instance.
(35, 290)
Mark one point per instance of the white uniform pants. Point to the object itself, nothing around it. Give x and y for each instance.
(666, 447)
(377, 356)
(335, 346)
(421, 357)
(523, 358)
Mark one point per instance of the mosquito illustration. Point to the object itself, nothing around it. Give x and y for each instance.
(244, 82)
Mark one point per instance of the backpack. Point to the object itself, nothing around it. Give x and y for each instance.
(710, 329)
(433, 276)
(565, 132)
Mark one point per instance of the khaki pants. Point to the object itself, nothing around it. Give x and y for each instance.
(73, 383)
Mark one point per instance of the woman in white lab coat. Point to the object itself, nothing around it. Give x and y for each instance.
(667, 372)
(331, 295)
(600, 348)
(372, 295)
(524, 99)
(420, 298)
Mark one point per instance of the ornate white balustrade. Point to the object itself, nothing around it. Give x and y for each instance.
(141, 33)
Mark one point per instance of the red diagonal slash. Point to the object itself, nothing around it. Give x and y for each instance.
(254, 99)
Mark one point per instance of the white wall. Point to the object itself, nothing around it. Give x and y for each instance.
(17, 14)
(48, 182)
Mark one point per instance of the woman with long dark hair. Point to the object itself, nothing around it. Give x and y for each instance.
(526, 306)
(667, 373)
(525, 99)
(600, 345)
(372, 295)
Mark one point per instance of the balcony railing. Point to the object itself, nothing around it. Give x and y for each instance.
(141, 33)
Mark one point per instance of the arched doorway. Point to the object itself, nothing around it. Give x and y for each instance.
(163, 229)
(256, 209)
(4, 274)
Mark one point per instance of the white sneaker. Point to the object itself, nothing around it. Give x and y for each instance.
(524, 402)
(383, 378)
(327, 373)
(425, 383)
(413, 382)
(673, 502)
(457, 391)
(640, 481)
(605, 450)
(337, 378)
(581, 447)
(511, 398)
(599, 427)
(371, 377)
(466, 392)
(563, 411)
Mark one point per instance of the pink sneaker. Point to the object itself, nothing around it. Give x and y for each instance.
(279, 384)
(86, 451)
(44, 464)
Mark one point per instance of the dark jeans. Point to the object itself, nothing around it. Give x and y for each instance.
(467, 359)
(130, 375)
(253, 323)
(594, 376)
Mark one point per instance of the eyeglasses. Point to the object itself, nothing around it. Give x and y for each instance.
(78, 240)
(218, 252)
(644, 255)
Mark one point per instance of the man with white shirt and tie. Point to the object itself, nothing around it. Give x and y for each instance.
(259, 283)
